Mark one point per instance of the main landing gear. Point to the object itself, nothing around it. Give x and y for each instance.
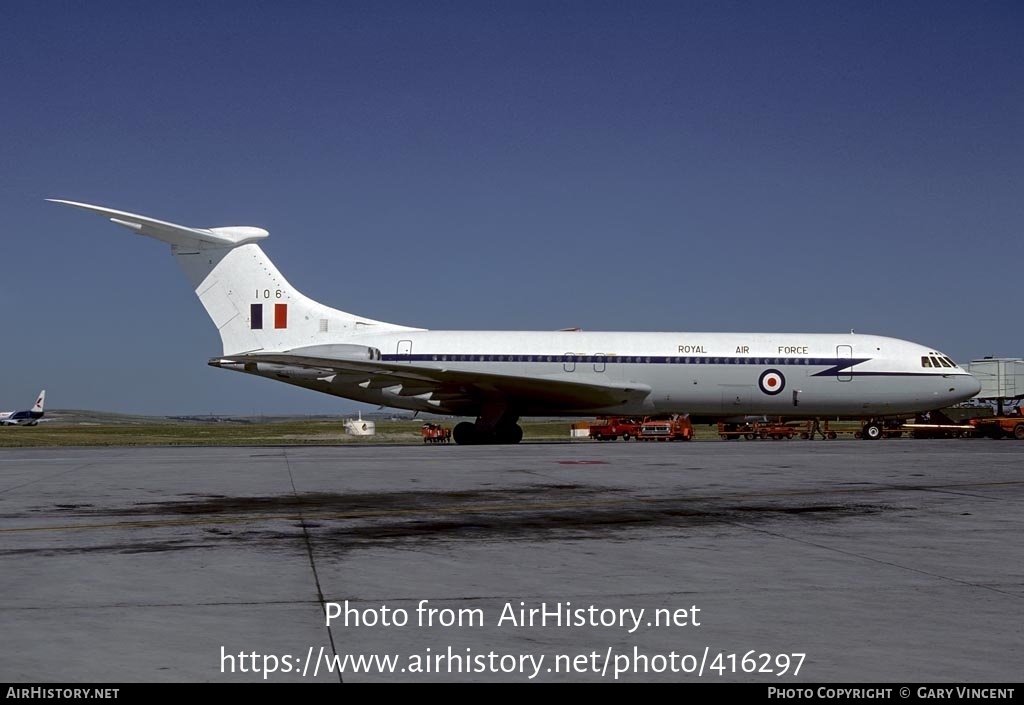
(506, 431)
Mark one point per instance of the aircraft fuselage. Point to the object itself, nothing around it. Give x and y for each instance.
(704, 374)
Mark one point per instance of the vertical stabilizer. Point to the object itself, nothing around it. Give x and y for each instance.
(251, 303)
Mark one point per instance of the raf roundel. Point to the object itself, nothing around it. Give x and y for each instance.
(771, 382)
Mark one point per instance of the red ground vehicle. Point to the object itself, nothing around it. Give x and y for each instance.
(762, 429)
(611, 428)
(666, 428)
(436, 433)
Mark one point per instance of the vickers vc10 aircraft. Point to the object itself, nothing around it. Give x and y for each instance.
(268, 328)
(29, 417)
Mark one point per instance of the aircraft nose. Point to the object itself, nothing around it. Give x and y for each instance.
(968, 386)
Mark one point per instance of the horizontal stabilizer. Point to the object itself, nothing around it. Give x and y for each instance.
(175, 234)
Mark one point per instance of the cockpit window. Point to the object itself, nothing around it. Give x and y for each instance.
(945, 362)
(951, 363)
(925, 362)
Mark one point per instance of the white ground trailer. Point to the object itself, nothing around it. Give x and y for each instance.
(1000, 377)
(358, 427)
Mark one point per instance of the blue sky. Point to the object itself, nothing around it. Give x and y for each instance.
(723, 166)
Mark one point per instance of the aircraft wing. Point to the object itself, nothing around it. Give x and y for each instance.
(458, 391)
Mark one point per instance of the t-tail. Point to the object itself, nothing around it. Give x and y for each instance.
(251, 303)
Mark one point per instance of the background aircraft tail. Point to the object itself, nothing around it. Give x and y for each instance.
(38, 408)
(251, 303)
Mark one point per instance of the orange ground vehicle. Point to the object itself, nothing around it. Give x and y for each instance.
(666, 428)
(777, 430)
(436, 433)
(1009, 426)
(730, 431)
(611, 428)
(935, 424)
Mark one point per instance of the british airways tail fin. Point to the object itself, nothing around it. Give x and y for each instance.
(251, 303)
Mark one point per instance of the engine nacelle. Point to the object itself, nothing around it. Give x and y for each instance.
(310, 374)
(339, 351)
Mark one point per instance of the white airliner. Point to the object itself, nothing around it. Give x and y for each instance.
(270, 329)
(24, 418)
